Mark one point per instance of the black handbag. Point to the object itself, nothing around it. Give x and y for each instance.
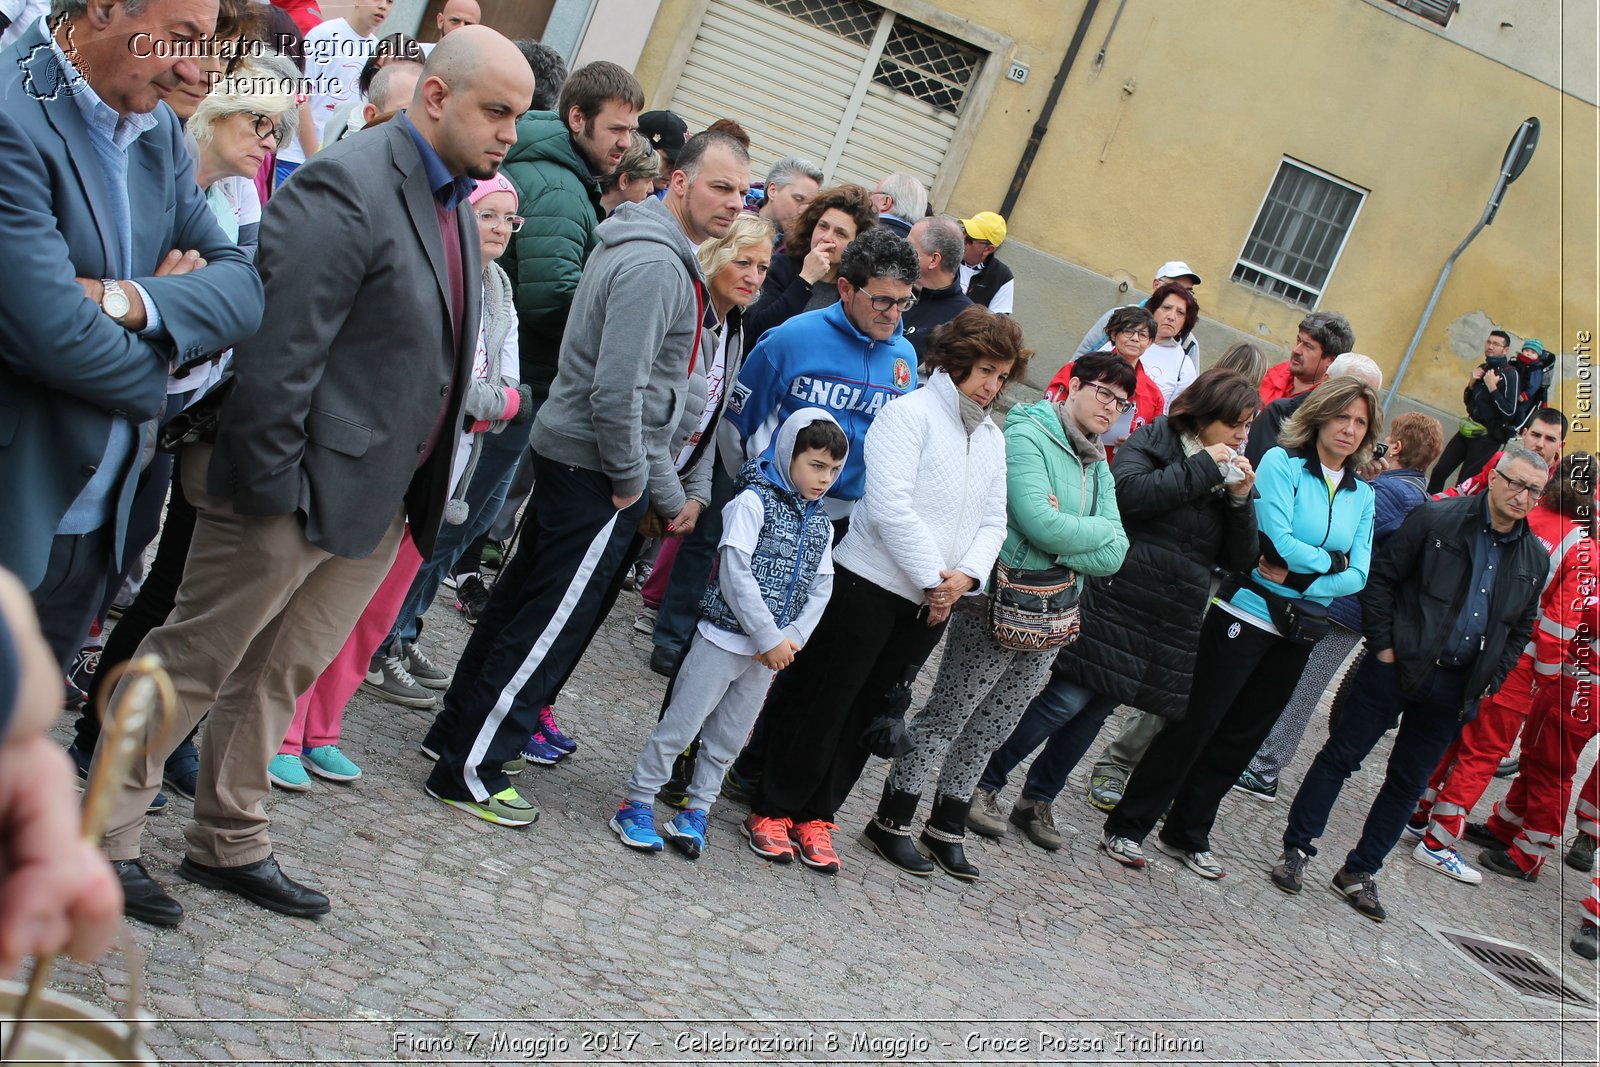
(1305, 622)
(1036, 610)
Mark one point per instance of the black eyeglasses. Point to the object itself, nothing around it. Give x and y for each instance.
(1109, 399)
(264, 126)
(1519, 487)
(884, 303)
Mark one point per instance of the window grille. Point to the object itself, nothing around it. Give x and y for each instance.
(1438, 11)
(850, 19)
(1298, 234)
(927, 65)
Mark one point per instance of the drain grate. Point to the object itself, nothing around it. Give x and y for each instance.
(1513, 966)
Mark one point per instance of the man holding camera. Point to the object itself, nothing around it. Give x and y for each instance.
(1502, 395)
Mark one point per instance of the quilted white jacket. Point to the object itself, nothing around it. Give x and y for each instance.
(935, 499)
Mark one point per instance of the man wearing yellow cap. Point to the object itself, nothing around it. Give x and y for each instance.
(983, 277)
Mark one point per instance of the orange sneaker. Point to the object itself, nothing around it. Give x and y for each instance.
(815, 845)
(768, 837)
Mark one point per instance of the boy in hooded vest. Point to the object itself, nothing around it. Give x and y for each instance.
(775, 573)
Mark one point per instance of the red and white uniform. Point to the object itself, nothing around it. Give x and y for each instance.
(1479, 482)
(1468, 765)
(1564, 718)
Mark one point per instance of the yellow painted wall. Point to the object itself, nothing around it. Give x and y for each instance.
(1177, 167)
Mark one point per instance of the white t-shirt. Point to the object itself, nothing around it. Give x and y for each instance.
(715, 381)
(1170, 367)
(335, 54)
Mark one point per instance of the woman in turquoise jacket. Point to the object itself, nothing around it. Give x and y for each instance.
(1061, 508)
(1315, 520)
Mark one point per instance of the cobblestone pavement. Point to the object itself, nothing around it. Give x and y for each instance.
(454, 940)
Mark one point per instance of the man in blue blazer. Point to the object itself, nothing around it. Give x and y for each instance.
(114, 271)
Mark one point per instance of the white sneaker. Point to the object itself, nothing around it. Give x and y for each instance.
(1125, 850)
(645, 620)
(1202, 863)
(1446, 861)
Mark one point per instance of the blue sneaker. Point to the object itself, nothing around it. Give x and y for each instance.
(182, 770)
(635, 824)
(287, 772)
(552, 733)
(328, 762)
(538, 750)
(687, 832)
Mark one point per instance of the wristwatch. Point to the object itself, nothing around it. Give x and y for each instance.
(114, 301)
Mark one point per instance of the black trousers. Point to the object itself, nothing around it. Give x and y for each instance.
(544, 610)
(867, 641)
(1243, 678)
(1468, 453)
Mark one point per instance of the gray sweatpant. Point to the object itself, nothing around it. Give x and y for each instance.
(717, 694)
(1125, 751)
(1327, 656)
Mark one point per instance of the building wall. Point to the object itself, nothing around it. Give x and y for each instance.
(1164, 147)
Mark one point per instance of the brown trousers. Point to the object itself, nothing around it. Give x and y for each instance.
(259, 614)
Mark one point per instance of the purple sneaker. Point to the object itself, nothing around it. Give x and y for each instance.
(538, 750)
(552, 733)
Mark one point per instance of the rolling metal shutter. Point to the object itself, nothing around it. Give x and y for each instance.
(858, 89)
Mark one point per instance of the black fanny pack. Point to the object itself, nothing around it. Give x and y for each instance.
(1305, 622)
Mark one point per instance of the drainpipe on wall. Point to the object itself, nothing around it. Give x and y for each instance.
(1042, 126)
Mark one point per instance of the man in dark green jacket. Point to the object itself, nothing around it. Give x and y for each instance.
(556, 165)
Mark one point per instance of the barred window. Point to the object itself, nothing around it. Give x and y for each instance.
(1438, 11)
(927, 65)
(1298, 234)
(850, 19)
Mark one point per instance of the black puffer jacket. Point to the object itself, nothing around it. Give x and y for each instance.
(1141, 626)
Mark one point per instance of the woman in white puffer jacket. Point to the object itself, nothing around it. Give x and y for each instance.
(925, 534)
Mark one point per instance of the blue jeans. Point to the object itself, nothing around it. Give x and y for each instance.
(497, 463)
(1065, 717)
(1429, 721)
(691, 571)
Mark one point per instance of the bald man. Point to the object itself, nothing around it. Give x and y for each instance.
(455, 15)
(333, 445)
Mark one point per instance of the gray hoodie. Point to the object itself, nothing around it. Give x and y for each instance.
(620, 403)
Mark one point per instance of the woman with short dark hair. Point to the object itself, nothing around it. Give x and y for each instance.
(1129, 331)
(1184, 494)
(1061, 508)
(1168, 360)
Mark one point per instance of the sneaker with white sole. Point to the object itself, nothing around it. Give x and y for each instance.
(472, 596)
(423, 670)
(635, 826)
(287, 772)
(1252, 784)
(538, 750)
(687, 832)
(388, 679)
(1125, 850)
(1448, 862)
(645, 620)
(1202, 863)
(328, 762)
(505, 808)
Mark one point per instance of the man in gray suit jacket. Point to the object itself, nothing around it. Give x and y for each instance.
(339, 430)
(114, 270)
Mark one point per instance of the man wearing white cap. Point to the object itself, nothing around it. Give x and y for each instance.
(1174, 272)
(984, 278)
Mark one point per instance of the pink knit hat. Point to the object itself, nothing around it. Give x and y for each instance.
(497, 184)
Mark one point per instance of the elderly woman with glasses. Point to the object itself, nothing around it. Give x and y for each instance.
(239, 124)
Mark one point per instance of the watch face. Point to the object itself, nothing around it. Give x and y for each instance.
(115, 303)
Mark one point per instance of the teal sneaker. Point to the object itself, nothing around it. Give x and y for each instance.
(287, 772)
(505, 808)
(687, 832)
(635, 825)
(328, 762)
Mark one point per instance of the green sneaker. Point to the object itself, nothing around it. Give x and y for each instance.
(328, 762)
(1105, 791)
(287, 772)
(514, 766)
(505, 808)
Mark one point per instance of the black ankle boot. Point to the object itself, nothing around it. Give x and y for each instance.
(889, 835)
(945, 835)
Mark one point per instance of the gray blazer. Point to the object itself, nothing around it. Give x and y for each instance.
(337, 394)
(65, 367)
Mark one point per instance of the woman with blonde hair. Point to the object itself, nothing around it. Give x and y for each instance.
(635, 176)
(1315, 519)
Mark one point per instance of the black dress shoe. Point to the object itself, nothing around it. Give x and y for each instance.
(1478, 833)
(1500, 862)
(142, 896)
(260, 883)
(664, 660)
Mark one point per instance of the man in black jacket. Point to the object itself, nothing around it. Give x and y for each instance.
(1446, 612)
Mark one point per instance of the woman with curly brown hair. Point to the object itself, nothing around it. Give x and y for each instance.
(805, 271)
